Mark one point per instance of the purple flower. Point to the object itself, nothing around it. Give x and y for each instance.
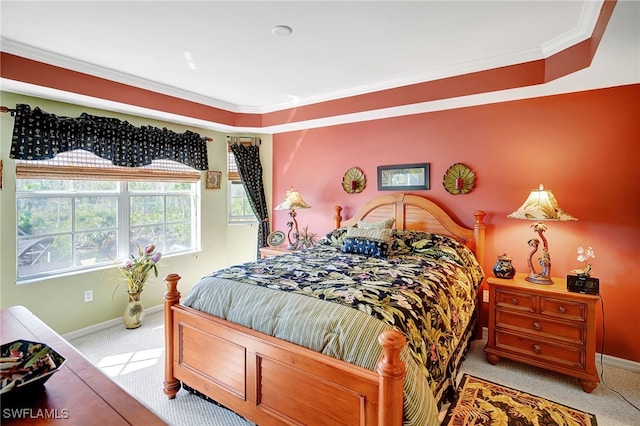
(136, 269)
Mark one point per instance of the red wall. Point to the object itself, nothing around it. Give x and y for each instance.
(583, 146)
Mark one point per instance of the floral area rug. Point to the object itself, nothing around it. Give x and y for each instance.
(480, 402)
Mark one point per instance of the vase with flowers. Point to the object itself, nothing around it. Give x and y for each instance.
(583, 256)
(136, 270)
(582, 281)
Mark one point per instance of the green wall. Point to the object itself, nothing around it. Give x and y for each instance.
(60, 301)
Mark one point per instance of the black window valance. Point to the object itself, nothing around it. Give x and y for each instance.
(38, 135)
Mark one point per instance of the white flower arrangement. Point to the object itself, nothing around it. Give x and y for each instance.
(583, 256)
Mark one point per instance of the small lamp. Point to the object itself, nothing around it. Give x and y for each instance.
(540, 206)
(292, 201)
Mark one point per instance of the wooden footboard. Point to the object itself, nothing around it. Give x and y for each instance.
(270, 381)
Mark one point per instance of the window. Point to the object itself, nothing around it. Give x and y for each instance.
(69, 225)
(240, 210)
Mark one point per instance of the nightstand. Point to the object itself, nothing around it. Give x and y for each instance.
(273, 251)
(543, 325)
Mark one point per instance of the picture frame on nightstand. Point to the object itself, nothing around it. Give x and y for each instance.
(275, 239)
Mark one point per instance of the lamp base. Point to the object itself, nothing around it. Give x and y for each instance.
(539, 279)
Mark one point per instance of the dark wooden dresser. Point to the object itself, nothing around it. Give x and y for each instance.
(78, 394)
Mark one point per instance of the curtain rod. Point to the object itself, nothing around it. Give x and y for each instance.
(4, 109)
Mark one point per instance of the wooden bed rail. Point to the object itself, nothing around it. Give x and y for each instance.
(390, 370)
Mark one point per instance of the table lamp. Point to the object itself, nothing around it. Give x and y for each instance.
(540, 206)
(292, 201)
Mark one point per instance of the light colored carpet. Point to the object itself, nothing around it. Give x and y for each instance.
(134, 359)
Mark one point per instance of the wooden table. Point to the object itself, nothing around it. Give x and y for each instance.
(273, 251)
(78, 394)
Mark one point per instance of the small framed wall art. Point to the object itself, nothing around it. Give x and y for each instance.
(403, 177)
(213, 179)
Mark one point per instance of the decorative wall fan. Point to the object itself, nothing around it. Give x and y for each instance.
(459, 179)
(354, 181)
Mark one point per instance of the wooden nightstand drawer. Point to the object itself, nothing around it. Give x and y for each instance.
(565, 309)
(541, 350)
(515, 300)
(566, 332)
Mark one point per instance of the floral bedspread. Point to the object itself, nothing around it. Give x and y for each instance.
(426, 287)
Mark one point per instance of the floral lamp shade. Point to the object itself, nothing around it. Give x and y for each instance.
(293, 200)
(540, 206)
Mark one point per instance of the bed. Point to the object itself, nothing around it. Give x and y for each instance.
(284, 342)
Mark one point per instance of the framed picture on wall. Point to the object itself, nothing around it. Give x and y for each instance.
(213, 179)
(403, 176)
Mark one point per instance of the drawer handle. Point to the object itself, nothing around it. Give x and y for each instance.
(514, 301)
(537, 326)
(562, 309)
(536, 348)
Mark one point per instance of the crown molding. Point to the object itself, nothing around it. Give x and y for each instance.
(50, 58)
(583, 30)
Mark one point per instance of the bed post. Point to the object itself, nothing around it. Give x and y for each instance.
(337, 217)
(391, 372)
(171, 386)
(478, 236)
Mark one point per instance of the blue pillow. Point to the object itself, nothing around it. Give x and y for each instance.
(368, 247)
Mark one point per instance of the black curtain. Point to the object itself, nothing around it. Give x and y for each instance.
(250, 169)
(38, 135)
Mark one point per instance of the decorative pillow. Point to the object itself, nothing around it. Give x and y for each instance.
(364, 224)
(380, 234)
(367, 247)
(334, 238)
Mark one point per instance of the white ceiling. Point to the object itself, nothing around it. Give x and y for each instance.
(224, 54)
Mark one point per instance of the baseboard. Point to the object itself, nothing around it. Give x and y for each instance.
(619, 362)
(107, 324)
(613, 361)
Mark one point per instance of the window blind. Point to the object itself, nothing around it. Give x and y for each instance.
(232, 167)
(84, 165)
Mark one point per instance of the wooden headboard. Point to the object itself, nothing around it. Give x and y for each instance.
(412, 212)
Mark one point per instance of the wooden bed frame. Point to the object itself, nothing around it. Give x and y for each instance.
(273, 382)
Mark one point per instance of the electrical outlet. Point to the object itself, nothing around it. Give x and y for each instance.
(88, 295)
(485, 296)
